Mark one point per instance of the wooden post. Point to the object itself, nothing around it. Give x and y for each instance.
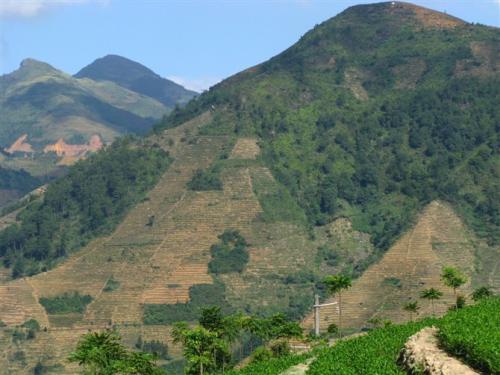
(316, 315)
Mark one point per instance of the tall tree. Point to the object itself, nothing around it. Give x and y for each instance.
(335, 284)
(432, 295)
(412, 308)
(199, 344)
(454, 279)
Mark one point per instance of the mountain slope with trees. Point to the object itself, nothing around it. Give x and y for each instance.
(311, 164)
(373, 114)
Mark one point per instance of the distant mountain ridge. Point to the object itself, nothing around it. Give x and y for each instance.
(138, 78)
(45, 109)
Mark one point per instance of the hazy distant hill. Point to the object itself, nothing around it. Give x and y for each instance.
(51, 119)
(138, 78)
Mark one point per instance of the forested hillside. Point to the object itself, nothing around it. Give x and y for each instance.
(89, 201)
(373, 114)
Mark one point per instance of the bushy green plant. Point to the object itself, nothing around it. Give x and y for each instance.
(31, 324)
(111, 285)
(66, 303)
(481, 293)
(261, 354)
(205, 180)
(230, 254)
(280, 348)
(157, 348)
(201, 295)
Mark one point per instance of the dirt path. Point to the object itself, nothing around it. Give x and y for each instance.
(299, 369)
(421, 352)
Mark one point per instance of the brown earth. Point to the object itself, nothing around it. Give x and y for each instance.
(422, 353)
(61, 148)
(427, 17)
(20, 145)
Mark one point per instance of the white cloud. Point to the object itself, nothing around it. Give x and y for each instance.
(196, 84)
(32, 8)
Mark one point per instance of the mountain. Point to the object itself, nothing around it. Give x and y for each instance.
(15, 184)
(50, 119)
(368, 148)
(138, 78)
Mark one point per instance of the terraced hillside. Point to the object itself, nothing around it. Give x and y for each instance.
(324, 159)
(412, 264)
(161, 251)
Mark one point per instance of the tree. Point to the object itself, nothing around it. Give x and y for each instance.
(482, 292)
(101, 353)
(432, 295)
(454, 279)
(412, 308)
(335, 284)
(200, 347)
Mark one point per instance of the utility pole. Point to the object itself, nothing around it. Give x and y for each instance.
(316, 307)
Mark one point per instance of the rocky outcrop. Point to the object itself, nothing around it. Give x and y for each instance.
(61, 148)
(20, 145)
(421, 354)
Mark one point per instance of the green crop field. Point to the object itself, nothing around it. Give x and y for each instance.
(473, 334)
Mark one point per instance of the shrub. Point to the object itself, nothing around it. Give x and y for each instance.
(261, 354)
(206, 180)
(280, 348)
(201, 295)
(230, 254)
(66, 303)
(111, 285)
(31, 324)
(157, 348)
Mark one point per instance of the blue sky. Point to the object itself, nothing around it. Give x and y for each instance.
(195, 42)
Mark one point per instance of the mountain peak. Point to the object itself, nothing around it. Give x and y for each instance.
(36, 67)
(136, 77)
(404, 12)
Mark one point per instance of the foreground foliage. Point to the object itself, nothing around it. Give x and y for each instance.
(102, 353)
(470, 333)
(273, 366)
(375, 353)
(89, 201)
(473, 334)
